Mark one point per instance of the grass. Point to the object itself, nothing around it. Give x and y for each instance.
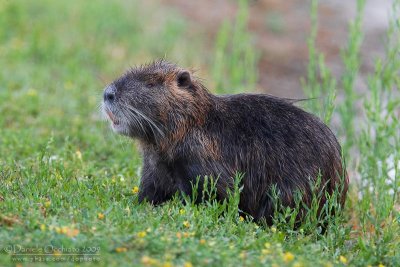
(68, 183)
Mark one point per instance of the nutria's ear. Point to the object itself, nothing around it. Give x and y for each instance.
(184, 79)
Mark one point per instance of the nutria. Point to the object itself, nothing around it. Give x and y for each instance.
(185, 132)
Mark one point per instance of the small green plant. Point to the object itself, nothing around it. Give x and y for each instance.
(235, 68)
(370, 136)
(380, 147)
(351, 61)
(319, 85)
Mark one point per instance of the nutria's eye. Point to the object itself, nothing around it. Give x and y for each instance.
(150, 85)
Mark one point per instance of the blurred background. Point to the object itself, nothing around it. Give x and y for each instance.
(56, 57)
(103, 38)
(280, 30)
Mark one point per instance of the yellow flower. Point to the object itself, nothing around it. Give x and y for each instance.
(167, 264)
(187, 264)
(135, 190)
(58, 176)
(242, 255)
(64, 229)
(121, 249)
(288, 257)
(381, 265)
(265, 251)
(186, 224)
(267, 245)
(142, 234)
(146, 260)
(181, 211)
(202, 241)
(57, 253)
(71, 232)
(47, 203)
(43, 227)
(241, 218)
(273, 229)
(100, 216)
(343, 259)
(78, 154)
(31, 92)
(297, 264)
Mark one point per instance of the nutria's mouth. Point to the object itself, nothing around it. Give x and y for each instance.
(112, 117)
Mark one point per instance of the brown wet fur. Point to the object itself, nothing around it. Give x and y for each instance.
(267, 139)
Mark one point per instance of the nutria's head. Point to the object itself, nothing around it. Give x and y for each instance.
(154, 101)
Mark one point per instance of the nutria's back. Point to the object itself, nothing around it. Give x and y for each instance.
(186, 132)
(277, 143)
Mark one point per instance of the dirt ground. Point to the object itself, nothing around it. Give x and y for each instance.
(281, 28)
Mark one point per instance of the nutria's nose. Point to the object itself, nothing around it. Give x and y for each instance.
(109, 94)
